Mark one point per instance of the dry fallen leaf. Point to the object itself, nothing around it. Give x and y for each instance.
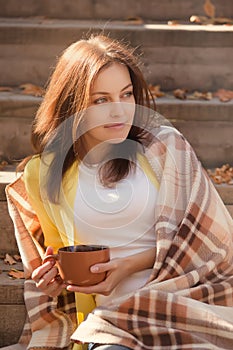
(197, 95)
(173, 22)
(9, 260)
(201, 20)
(222, 175)
(3, 164)
(180, 94)
(5, 88)
(209, 8)
(223, 20)
(134, 20)
(210, 20)
(16, 274)
(224, 95)
(155, 90)
(31, 89)
(17, 257)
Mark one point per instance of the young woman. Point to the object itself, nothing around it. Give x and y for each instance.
(106, 171)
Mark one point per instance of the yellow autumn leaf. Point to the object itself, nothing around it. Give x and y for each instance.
(31, 89)
(209, 8)
(16, 274)
(5, 88)
(9, 260)
(224, 95)
(156, 90)
(180, 94)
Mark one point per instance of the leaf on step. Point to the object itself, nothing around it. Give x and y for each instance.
(209, 8)
(224, 95)
(197, 19)
(9, 260)
(134, 20)
(223, 20)
(155, 90)
(221, 175)
(31, 89)
(5, 88)
(197, 95)
(17, 274)
(210, 20)
(17, 257)
(201, 20)
(180, 94)
(173, 22)
(3, 164)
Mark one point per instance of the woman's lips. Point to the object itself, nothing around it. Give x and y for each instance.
(114, 126)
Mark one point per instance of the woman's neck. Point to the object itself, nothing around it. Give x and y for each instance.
(98, 154)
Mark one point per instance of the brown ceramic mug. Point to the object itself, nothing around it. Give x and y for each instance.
(74, 263)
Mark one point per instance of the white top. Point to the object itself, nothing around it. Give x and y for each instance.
(122, 217)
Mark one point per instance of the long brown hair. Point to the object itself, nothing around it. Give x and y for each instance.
(68, 94)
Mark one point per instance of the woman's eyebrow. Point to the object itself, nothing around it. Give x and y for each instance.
(107, 93)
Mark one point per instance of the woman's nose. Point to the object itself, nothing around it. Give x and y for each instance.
(117, 109)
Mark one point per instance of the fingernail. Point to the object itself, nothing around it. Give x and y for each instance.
(94, 269)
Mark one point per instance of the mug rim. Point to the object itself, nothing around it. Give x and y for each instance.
(96, 248)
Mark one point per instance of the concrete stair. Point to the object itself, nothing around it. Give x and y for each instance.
(33, 33)
(12, 306)
(189, 56)
(105, 9)
(208, 125)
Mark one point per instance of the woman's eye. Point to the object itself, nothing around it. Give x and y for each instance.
(128, 94)
(100, 100)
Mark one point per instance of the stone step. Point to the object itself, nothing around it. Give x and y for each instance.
(188, 56)
(207, 125)
(105, 9)
(8, 242)
(12, 306)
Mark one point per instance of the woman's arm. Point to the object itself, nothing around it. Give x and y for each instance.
(141, 261)
(117, 270)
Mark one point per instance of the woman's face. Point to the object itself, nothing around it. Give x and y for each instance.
(112, 106)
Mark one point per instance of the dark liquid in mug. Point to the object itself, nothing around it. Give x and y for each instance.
(82, 248)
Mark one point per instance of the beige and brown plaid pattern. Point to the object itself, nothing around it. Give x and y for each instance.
(50, 321)
(188, 301)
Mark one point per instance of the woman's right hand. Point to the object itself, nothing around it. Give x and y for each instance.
(47, 278)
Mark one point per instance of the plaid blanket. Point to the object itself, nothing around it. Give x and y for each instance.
(50, 321)
(187, 302)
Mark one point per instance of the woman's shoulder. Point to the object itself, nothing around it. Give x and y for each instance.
(167, 136)
(31, 171)
(167, 132)
(32, 166)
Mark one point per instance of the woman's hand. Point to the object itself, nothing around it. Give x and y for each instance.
(47, 278)
(117, 270)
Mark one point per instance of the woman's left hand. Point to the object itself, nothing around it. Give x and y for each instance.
(116, 270)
